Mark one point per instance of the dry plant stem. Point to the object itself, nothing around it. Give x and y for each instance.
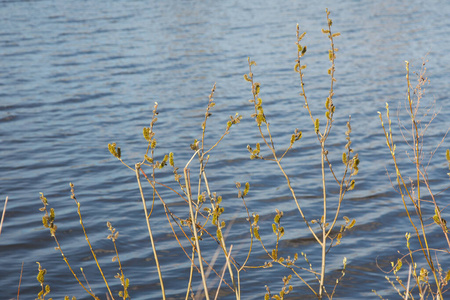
(324, 227)
(403, 188)
(20, 281)
(3, 214)
(137, 168)
(413, 264)
(166, 208)
(409, 282)
(119, 262)
(417, 163)
(85, 279)
(223, 273)
(222, 241)
(341, 196)
(71, 270)
(207, 115)
(413, 114)
(251, 241)
(168, 212)
(191, 271)
(427, 184)
(73, 273)
(53, 234)
(87, 240)
(322, 137)
(249, 250)
(202, 173)
(194, 223)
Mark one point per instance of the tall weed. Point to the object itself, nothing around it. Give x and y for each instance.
(428, 279)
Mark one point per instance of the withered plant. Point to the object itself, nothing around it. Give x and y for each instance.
(430, 278)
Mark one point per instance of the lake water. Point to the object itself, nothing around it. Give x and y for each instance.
(77, 75)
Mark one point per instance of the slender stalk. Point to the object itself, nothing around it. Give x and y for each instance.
(194, 225)
(417, 164)
(3, 215)
(403, 188)
(137, 167)
(223, 273)
(20, 281)
(53, 234)
(222, 242)
(96, 261)
(409, 282)
(87, 239)
(324, 228)
(191, 271)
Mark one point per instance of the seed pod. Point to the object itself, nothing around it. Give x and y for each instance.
(145, 132)
(304, 51)
(344, 158)
(277, 219)
(112, 149)
(171, 159)
(355, 162)
(316, 126)
(247, 188)
(301, 36)
(247, 78)
(256, 88)
(256, 219)
(352, 185)
(274, 254)
(351, 224)
(256, 233)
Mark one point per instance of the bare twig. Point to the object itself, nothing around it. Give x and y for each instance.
(20, 279)
(3, 215)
